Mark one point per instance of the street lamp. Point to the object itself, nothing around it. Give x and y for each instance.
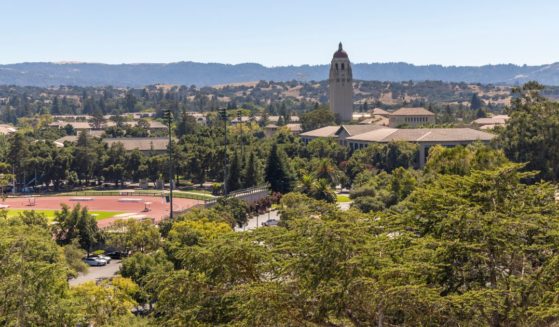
(168, 115)
(223, 114)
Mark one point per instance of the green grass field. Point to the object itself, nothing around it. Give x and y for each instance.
(343, 198)
(99, 215)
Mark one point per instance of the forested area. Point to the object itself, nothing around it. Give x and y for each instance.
(470, 240)
(474, 245)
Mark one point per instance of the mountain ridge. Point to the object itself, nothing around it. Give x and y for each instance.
(205, 74)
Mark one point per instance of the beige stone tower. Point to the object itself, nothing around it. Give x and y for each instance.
(340, 91)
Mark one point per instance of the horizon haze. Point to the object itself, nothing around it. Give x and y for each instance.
(472, 33)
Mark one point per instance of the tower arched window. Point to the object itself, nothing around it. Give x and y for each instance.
(342, 66)
(336, 66)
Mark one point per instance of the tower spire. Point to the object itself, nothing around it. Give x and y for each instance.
(340, 47)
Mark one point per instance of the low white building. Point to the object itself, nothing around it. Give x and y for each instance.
(359, 136)
(491, 122)
(424, 137)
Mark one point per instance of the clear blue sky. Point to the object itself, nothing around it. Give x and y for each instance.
(280, 32)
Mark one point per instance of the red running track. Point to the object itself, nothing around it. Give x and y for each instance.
(159, 209)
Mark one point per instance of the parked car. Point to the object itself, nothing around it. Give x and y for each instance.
(95, 261)
(116, 254)
(102, 256)
(270, 222)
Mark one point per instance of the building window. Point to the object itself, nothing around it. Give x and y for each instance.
(336, 66)
(342, 66)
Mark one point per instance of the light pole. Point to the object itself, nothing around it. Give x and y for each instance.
(168, 115)
(223, 113)
(240, 120)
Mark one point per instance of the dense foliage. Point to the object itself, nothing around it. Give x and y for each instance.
(531, 135)
(470, 240)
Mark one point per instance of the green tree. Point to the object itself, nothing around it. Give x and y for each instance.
(236, 207)
(317, 118)
(32, 277)
(74, 255)
(132, 235)
(251, 173)
(234, 173)
(115, 163)
(529, 135)
(462, 160)
(18, 155)
(102, 303)
(86, 157)
(482, 223)
(76, 224)
(278, 173)
(475, 102)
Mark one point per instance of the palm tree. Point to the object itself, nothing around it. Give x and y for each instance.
(307, 183)
(326, 169)
(322, 191)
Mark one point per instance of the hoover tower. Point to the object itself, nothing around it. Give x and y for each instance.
(340, 86)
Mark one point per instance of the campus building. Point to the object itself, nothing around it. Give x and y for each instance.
(411, 117)
(147, 145)
(491, 122)
(359, 136)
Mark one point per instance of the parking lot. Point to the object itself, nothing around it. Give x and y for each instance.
(97, 273)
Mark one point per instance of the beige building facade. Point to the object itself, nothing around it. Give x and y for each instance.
(411, 117)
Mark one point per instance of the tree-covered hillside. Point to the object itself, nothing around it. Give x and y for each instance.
(90, 74)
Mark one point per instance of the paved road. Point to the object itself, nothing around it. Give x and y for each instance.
(97, 273)
(344, 206)
(257, 221)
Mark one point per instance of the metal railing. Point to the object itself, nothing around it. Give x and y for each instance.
(240, 194)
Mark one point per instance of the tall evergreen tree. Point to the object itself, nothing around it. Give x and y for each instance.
(234, 176)
(475, 103)
(55, 108)
(19, 155)
(251, 171)
(277, 172)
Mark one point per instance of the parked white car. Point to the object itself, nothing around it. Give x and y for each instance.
(95, 261)
(102, 257)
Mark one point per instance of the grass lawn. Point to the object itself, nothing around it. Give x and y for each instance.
(99, 215)
(343, 198)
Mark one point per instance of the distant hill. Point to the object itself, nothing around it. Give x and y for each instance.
(201, 74)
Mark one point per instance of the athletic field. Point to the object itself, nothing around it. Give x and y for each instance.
(105, 208)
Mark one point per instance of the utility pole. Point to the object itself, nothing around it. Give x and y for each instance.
(240, 120)
(223, 113)
(168, 115)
